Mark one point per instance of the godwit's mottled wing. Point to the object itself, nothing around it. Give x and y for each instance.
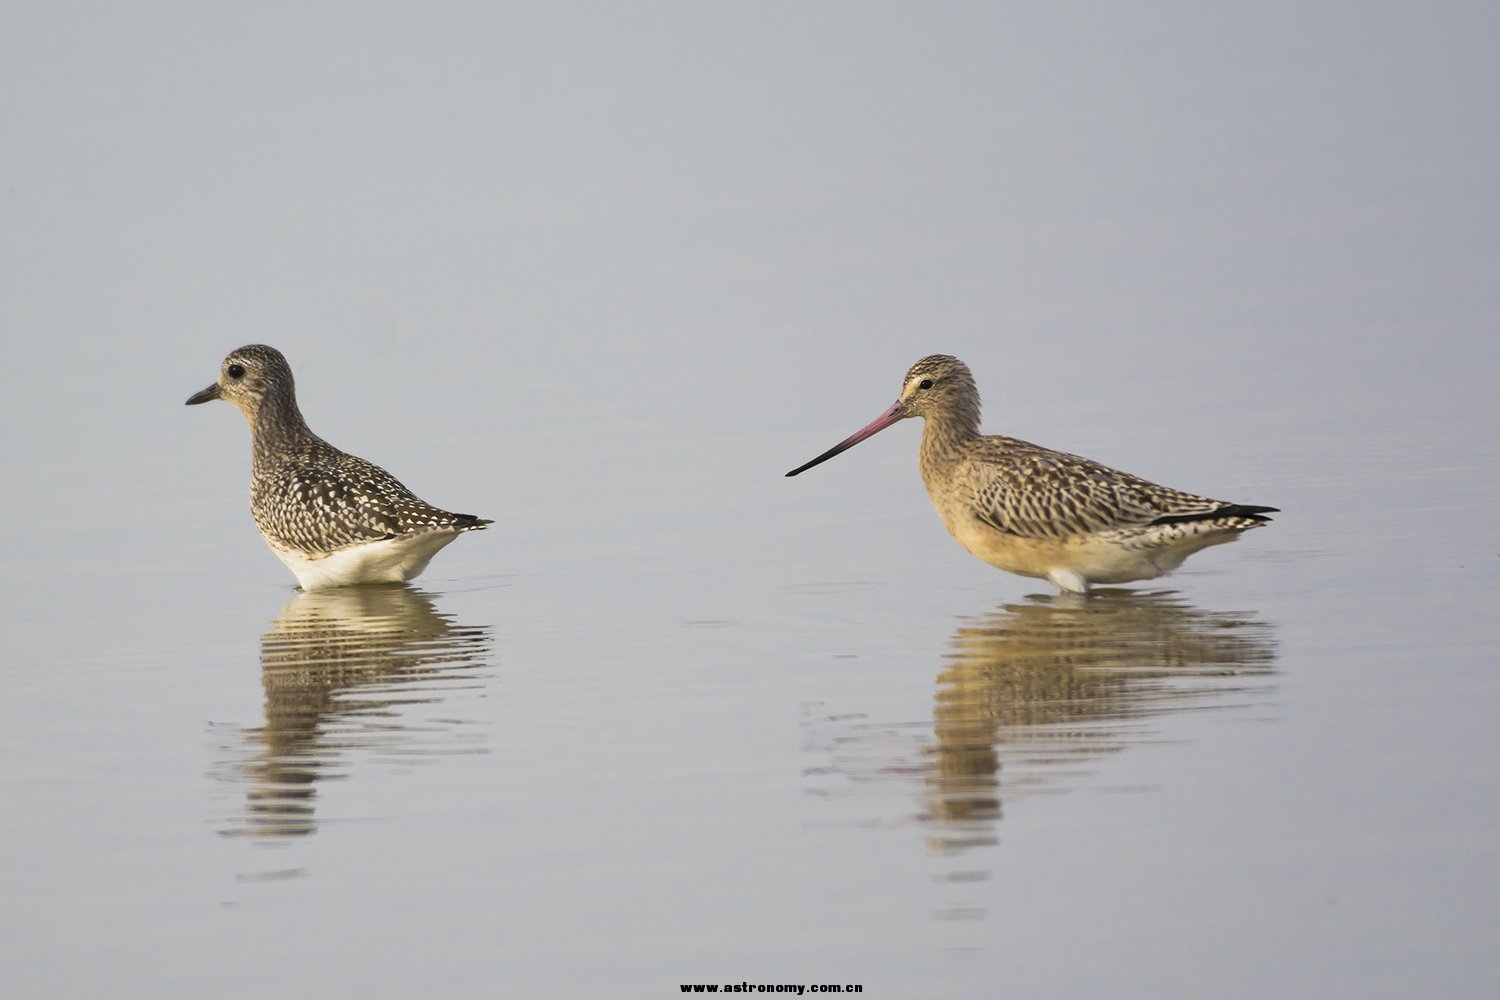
(1034, 492)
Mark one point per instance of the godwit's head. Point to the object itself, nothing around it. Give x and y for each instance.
(940, 387)
(937, 388)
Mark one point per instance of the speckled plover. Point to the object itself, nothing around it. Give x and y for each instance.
(335, 520)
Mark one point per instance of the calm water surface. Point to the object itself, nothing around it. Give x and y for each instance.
(788, 755)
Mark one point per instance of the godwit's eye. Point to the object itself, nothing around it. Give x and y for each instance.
(235, 371)
(926, 383)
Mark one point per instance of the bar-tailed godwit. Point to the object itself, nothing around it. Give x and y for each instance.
(1042, 513)
(332, 518)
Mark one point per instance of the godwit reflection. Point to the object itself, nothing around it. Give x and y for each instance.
(344, 672)
(1033, 691)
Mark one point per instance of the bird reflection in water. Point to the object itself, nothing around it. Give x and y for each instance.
(1040, 688)
(344, 671)
(1032, 692)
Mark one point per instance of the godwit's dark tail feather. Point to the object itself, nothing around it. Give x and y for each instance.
(1250, 512)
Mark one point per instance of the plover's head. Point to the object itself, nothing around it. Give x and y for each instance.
(247, 376)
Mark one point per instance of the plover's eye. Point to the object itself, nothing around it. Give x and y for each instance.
(926, 383)
(235, 371)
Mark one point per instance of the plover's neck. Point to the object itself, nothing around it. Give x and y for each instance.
(277, 427)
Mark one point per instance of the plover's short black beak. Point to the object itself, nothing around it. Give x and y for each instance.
(212, 392)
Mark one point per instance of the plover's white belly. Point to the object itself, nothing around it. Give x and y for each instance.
(390, 560)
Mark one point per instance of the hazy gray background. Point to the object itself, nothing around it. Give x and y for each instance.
(603, 272)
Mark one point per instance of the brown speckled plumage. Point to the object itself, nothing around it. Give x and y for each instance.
(309, 499)
(1045, 513)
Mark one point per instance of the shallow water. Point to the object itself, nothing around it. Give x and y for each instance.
(675, 718)
(632, 765)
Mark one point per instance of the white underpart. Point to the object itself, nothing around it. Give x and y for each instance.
(1070, 581)
(391, 560)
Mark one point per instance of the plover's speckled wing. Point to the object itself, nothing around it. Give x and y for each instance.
(342, 501)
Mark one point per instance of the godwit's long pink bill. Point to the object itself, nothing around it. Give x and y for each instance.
(895, 414)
